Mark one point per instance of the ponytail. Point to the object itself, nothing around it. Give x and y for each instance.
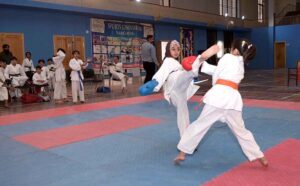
(245, 48)
(249, 54)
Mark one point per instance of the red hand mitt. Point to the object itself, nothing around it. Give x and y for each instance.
(187, 62)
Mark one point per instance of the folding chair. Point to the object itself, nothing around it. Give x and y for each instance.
(294, 73)
(106, 75)
(142, 74)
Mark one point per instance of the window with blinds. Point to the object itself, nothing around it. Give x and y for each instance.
(229, 8)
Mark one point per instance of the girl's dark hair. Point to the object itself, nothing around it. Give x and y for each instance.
(245, 48)
(168, 48)
(28, 53)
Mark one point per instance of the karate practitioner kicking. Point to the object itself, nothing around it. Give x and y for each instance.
(223, 102)
(177, 83)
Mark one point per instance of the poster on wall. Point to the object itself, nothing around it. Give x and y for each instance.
(120, 39)
(186, 41)
(97, 25)
(148, 30)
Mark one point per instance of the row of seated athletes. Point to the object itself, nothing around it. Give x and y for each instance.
(17, 79)
(15, 83)
(115, 69)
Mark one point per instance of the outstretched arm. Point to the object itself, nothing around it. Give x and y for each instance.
(213, 50)
(193, 62)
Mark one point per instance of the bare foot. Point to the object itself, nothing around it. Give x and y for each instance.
(179, 158)
(263, 161)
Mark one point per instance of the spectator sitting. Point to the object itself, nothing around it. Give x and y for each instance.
(51, 75)
(116, 70)
(16, 74)
(40, 82)
(44, 68)
(39, 78)
(3, 85)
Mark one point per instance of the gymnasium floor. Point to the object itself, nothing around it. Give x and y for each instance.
(132, 142)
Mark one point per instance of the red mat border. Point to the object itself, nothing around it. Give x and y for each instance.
(255, 167)
(56, 112)
(61, 136)
(284, 105)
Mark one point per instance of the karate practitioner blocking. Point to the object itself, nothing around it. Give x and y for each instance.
(223, 102)
(177, 83)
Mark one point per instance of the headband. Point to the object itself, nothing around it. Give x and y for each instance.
(173, 43)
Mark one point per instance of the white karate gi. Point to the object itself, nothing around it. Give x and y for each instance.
(45, 72)
(178, 88)
(51, 76)
(222, 103)
(28, 65)
(116, 71)
(77, 79)
(36, 77)
(60, 89)
(18, 78)
(3, 90)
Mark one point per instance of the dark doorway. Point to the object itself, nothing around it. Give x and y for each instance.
(211, 40)
(228, 38)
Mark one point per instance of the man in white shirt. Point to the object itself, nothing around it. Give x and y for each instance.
(76, 66)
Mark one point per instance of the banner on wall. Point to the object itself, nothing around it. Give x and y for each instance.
(121, 39)
(187, 41)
